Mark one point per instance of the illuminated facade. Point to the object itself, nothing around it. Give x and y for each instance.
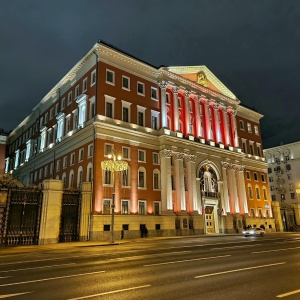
(194, 153)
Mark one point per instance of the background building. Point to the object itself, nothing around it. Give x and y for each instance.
(194, 152)
(3, 138)
(284, 181)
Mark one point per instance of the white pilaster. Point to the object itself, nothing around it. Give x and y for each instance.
(179, 181)
(187, 111)
(225, 186)
(198, 118)
(191, 183)
(163, 104)
(175, 106)
(242, 190)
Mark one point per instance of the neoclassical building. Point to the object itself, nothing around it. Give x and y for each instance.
(194, 153)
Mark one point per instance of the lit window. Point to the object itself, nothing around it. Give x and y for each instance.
(249, 127)
(125, 207)
(256, 129)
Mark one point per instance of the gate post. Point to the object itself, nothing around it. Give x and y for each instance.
(277, 216)
(51, 211)
(296, 207)
(86, 193)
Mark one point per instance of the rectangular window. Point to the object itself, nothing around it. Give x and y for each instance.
(142, 207)
(56, 108)
(250, 192)
(125, 152)
(269, 170)
(141, 179)
(107, 177)
(155, 158)
(156, 181)
(273, 197)
(255, 176)
(46, 118)
(154, 122)
(154, 95)
(110, 77)
(244, 145)
(257, 193)
(265, 194)
(108, 149)
(251, 149)
(81, 152)
(249, 127)
(77, 91)
(93, 77)
(125, 178)
(126, 83)
(242, 125)
(142, 155)
(293, 196)
(63, 103)
(125, 207)
(84, 85)
(260, 213)
(141, 88)
(256, 129)
(72, 160)
(290, 177)
(125, 113)
(140, 118)
(168, 98)
(69, 98)
(65, 162)
(109, 110)
(252, 212)
(292, 187)
(46, 171)
(106, 207)
(58, 165)
(282, 197)
(271, 179)
(156, 205)
(51, 114)
(90, 150)
(288, 167)
(248, 175)
(263, 178)
(272, 188)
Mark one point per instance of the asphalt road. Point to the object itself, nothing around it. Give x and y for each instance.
(206, 267)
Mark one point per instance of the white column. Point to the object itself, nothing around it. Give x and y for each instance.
(17, 157)
(163, 104)
(217, 123)
(235, 133)
(175, 90)
(225, 118)
(166, 180)
(43, 131)
(7, 164)
(225, 186)
(179, 181)
(191, 183)
(28, 149)
(81, 101)
(221, 192)
(242, 190)
(207, 120)
(60, 125)
(234, 195)
(187, 111)
(198, 117)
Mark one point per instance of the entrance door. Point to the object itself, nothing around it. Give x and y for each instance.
(209, 219)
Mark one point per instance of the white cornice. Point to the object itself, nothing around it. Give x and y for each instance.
(249, 114)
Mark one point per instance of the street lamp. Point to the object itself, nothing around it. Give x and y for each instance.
(114, 164)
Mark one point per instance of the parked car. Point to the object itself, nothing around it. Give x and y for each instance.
(254, 232)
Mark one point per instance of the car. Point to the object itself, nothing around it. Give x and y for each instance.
(254, 232)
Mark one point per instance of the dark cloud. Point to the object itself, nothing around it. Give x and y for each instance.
(252, 46)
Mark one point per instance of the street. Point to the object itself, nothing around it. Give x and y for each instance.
(202, 267)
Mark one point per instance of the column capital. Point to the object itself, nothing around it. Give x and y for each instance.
(187, 93)
(165, 153)
(175, 89)
(178, 155)
(162, 84)
(191, 158)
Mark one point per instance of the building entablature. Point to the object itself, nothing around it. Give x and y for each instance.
(248, 114)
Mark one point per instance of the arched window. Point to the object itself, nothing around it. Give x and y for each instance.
(142, 178)
(79, 177)
(250, 193)
(257, 192)
(71, 178)
(156, 179)
(265, 193)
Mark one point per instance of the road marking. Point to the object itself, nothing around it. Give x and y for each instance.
(4, 277)
(243, 246)
(148, 255)
(275, 250)
(288, 294)
(186, 260)
(112, 292)
(238, 270)
(37, 260)
(16, 270)
(52, 278)
(13, 295)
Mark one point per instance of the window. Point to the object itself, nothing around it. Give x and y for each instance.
(263, 178)
(46, 171)
(63, 103)
(290, 177)
(255, 176)
(90, 150)
(79, 176)
(251, 149)
(252, 212)
(265, 193)
(250, 192)
(63, 178)
(125, 111)
(242, 125)
(81, 152)
(273, 197)
(108, 149)
(41, 173)
(56, 108)
(68, 124)
(141, 178)
(154, 119)
(292, 187)
(168, 98)
(69, 98)
(65, 162)
(142, 207)
(248, 175)
(267, 213)
(156, 179)
(272, 188)
(156, 209)
(257, 193)
(269, 170)
(141, 155)
(71, 178)
(126, 83)
(140, 118)
(107, 177)
(271, 179)
(89, 172)
(258, 150)
(125, 152)
(93, 77)
(77, 91)
(72, 160)
(84, 85)
(58, 165)
(282, 197)
(109, 106)
(125, 178)
(125, 207)
(288, 167)
(141, 88)
(260, 215)
(110, 77)
(51, 168)
(51, 114)
(249, 127)
(106, 207)
(256, 129)
(45, 122)
(293, 196)
(154, 95)
(244, 145)
(155, 158)
(92, 107)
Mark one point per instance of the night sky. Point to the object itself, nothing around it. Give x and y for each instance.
(253, 47)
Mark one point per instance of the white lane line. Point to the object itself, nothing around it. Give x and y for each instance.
(37, 260)
(288, 294)
(238, 270)
(275, 250)
(186, 260)
(52, 278)
(13, 295)
(148, 255)
(112, 292)
(243, 246)
(17, 270)
(4, 277)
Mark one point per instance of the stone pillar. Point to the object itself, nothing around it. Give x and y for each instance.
(226, 132)
(242, 190)
(233, 183)
(51, 211)
(179, 183)
(191, 183)
(86, 193)
(187, 116)
(166, 181)
(207, 121)
(277, 216)
(199, 132)
(296, 207)
(225, 186)
(163, 105)
(175, 105)
(217, 123)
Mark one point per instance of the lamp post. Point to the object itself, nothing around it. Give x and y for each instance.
(114, 164)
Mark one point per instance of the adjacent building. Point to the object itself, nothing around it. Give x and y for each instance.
(194, 153)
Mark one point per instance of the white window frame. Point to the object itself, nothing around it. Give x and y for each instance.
(137, 88)
(145, 207)
(92, 112)
(242, 125)
(110, 99)
(84, 85)
(113, 77)
(126, 104)
(92, 76)
(65, 162)
(123, 157)
(144, 154)
(51, 114)
(155, 154)
(77, 92)
(63, 103)
(256, 130)
(90, 150)
(128, 205)
(142, 169)
(140, 109)
(249, 127)
(123, 87)
(72, 159)
(69, 101)
(156, 171)
(106, 152)
(155, 114)
(80, 154)
(128, 178)
(156, 91)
